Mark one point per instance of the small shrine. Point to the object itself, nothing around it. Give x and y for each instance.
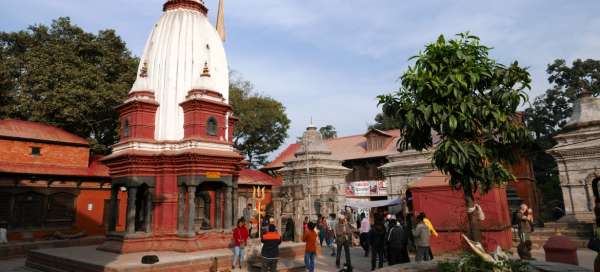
(313, 184)
(578, 159)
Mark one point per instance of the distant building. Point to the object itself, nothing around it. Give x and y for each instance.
(49, 182)
(378, 171)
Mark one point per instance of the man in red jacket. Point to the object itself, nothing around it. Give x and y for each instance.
(240, 238)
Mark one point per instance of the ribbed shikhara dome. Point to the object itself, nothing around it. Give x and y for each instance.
(180, 44)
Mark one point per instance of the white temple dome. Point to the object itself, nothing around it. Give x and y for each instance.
(181, 42)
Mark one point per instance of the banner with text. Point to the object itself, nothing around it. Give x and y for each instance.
(367, 188)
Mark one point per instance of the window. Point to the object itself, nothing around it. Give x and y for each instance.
(126, 127)
(211, 126)
(36, 151)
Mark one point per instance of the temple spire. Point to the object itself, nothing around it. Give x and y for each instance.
(221, 20)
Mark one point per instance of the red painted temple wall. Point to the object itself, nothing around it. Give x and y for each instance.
(525, 184)
(447, 211)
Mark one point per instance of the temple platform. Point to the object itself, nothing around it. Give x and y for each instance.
(89, 259)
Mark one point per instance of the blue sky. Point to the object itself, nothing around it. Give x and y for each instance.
(329, 58)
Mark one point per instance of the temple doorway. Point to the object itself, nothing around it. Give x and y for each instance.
(203, 201)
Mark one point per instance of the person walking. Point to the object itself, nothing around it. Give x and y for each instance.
(240, 239)
(524, 227)
(247, 214)
(421, 235)
(364, 233)
(376, 239)
(331, 233)
(343, 234)
(310, 250)
(270, 249)
(322, 228)
(397, 243)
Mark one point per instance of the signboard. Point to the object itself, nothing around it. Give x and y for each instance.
(213, 175)
(367, 188)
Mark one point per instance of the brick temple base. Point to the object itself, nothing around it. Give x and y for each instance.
(89, 259)
(118, 243)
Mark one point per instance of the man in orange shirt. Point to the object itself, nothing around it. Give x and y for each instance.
(310, 238)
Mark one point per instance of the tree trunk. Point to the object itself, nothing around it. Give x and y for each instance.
(474, 230)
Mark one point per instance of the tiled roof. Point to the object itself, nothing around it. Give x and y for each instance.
(433, 179)
(345, 148)
(255, 177)
(287, 154)
(37, 131)
(95, 169)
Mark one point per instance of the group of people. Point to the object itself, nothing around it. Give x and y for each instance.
(390, 237)
(270, 239)
(387, 238)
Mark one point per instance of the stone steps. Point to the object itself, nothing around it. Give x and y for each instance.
(578, 233)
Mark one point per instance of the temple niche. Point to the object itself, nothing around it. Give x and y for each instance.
(313, 183)
(578, 157)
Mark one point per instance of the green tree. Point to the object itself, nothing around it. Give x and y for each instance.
(384, 122)
(328, 132)
(66, 77)
(263, 122)
(455, 90)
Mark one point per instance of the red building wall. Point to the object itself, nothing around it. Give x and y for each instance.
(14, 151)
(92, 221)
(525, 184)
(447, 211)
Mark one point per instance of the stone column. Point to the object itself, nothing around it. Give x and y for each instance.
(113, 209)
(191, 209)
(149, 209)
(181, 210)
(228, 207)
(218, 223)
(131, 195)
(236, 205)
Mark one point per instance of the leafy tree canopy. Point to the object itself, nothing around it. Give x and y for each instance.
(66, 77)
(458, 94)
(549, 112)
(263, 122)
(328, 132)
(384, 122)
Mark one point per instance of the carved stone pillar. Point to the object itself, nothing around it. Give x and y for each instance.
(228, 208)
(191, 209)
(181, 210)
(113, 209)
(236, 205)
(149, 209)
(218, 221)
(131, 195)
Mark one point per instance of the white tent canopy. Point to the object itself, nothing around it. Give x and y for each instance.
(361, 204)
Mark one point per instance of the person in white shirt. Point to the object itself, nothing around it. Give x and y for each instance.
(365, 226)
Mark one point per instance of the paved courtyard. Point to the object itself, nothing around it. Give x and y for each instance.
(326, 262)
